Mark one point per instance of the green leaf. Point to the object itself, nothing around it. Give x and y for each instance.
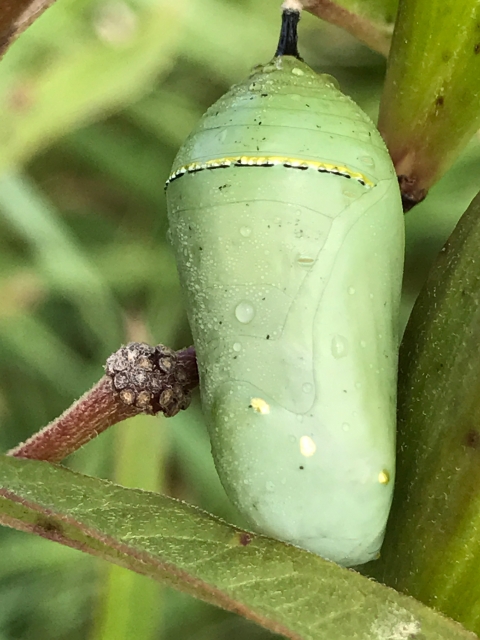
(80, 60)
(59, 257)
(431, 102)
(431, 550)
(131, 606)
(281, 587)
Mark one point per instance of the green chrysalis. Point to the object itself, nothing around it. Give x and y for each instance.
(286, 221)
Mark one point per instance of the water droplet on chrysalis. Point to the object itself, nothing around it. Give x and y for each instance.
(339, 346)
(244, 312)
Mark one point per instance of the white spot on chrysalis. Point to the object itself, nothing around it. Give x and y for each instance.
(307, 446)
(260, 406)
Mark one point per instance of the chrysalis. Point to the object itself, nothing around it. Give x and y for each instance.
(287, 225)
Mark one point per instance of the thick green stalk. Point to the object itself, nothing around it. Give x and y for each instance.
(432, 548)
(431, 102)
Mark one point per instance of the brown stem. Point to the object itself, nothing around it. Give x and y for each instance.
(375, 35)
(94, 412)
(16, 16)
(140, 379)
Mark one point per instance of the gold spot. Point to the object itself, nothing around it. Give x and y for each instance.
(384, 477)
(307, 446)
(260, 406)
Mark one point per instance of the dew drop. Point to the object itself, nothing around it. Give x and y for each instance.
(269, 68)
(299, 418)
(351, 290)
(237, 346)
(330, 80)
(245, 231)
(339, 347)
(223, 135)
(292, 439)
(307, 387)
(346, 426)
(358, 385)
(363, 344)
(297, 72)
(244, 312)
(269, 486)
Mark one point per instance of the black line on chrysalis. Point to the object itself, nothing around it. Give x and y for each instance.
(287, 44)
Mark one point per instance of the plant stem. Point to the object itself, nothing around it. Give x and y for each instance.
(140, 379)
(375, 35)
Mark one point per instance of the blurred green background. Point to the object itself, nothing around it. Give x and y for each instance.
(95, 99)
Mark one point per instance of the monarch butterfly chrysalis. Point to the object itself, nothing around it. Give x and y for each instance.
(286, 221)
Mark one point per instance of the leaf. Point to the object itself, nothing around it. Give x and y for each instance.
(58, 256)
(431, 550)
(80, 62)
(281, 587)
(431, 102)
(132, 606)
